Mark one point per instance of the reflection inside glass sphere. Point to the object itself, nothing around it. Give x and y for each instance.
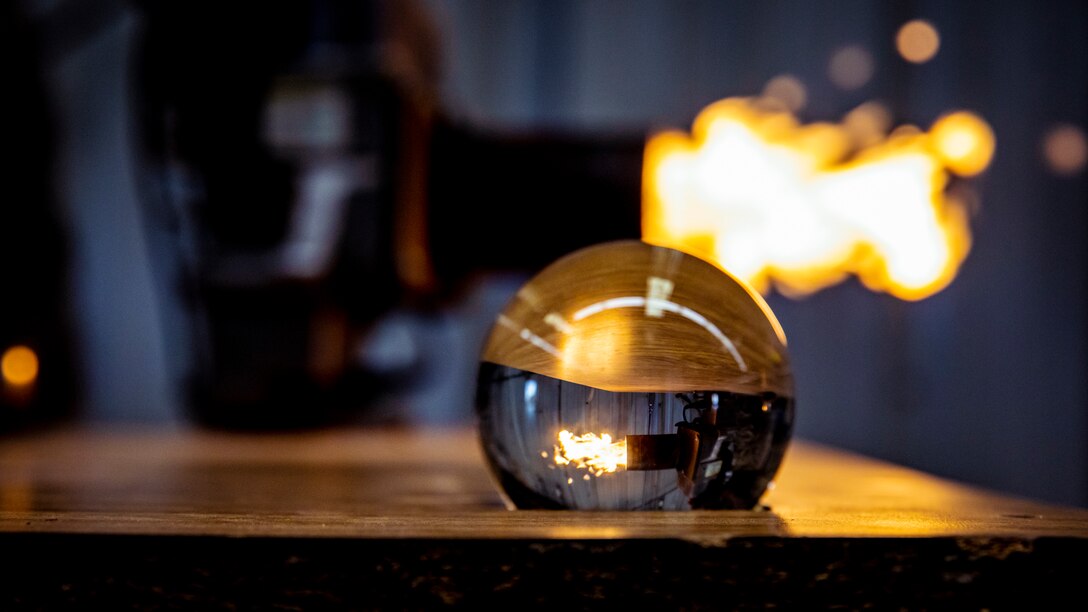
(631, 376)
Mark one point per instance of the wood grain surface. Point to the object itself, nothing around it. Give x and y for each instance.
(409, 520)
(361, 483)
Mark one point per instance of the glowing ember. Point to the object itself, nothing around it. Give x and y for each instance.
(803, 206)
(598, 455)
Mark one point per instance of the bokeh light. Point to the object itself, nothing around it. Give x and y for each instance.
(19, 365)
(964, 142)
(917, 41)
(1065, 149)
(788, 90)
(868, 124)
(851, 67)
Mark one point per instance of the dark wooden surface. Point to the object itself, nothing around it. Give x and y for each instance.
(410, 519)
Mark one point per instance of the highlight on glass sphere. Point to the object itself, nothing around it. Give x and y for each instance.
(627, 376)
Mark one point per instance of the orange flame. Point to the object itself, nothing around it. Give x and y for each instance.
(803, 206)
(598, 455)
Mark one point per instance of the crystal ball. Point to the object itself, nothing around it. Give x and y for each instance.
(627, 376)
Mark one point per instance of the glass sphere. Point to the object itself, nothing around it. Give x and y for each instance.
(627, 376)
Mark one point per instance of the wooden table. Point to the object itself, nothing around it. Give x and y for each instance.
(364, 519)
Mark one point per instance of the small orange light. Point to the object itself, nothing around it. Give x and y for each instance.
(964, 142)
(19, 365)
(851, 67)
(788, 90)
(917, 41)
(1065, 149)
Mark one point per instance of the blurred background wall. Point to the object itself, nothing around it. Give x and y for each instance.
(984, 382)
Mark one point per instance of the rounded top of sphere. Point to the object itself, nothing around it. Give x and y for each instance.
(630, 316)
